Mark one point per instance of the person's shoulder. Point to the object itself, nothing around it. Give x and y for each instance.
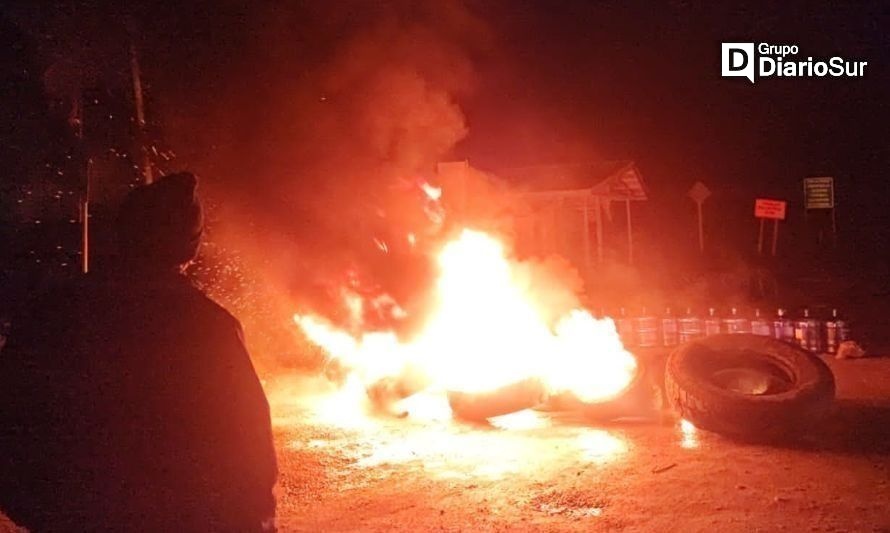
(213, 310)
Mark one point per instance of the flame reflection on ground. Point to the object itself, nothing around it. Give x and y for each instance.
(449, 451)
(521, 420)
(527, 443)
(521, 443)
(689, 435)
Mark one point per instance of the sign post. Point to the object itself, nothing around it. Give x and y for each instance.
(760, 237)
(765, 208)
(699, 193)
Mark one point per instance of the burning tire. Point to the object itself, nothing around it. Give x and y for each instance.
(479, 406)
(386, 392)
(637, 400)
(748, 386)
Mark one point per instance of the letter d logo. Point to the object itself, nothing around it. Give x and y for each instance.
(738, 60)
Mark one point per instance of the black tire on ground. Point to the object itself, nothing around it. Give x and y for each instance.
(479, 406)
(748, 386)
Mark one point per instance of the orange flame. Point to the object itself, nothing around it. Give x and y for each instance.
(487, 329)
(432, 192)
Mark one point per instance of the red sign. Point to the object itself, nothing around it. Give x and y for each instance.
(766, 208)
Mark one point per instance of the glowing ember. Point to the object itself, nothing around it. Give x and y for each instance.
(487, 329)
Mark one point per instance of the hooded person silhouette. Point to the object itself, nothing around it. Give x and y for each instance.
(128, 400)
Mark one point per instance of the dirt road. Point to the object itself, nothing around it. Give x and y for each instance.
(544, 475)
(568, 477)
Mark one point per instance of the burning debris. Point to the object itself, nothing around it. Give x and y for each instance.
(489, 328)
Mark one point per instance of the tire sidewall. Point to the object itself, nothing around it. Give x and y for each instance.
(709, 406)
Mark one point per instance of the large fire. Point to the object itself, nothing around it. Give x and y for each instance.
(488, 328)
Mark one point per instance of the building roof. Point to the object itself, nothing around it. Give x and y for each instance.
(616, 180)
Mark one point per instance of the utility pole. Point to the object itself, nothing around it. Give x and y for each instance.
(85, 222)
(138, 101)
(630, 233)
(75, 120)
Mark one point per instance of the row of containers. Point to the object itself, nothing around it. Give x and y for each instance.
(815, 334)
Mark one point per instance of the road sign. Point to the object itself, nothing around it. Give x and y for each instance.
(766, 208)
(818, 193)
(699, 193)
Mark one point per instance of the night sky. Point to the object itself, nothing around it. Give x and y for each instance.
(640, 81)
(536, 81)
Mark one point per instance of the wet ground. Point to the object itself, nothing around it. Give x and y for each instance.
(540, 474)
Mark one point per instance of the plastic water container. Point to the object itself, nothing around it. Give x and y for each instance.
(801, 327)
(783, 327)
(646, 327)
(690, 327)
(837, 330)
(760, 325)
(815, 342)
(807, 332)
(712, 323)
(670, 333)
(735, 323)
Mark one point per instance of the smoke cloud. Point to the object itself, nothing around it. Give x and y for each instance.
(314, 154)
